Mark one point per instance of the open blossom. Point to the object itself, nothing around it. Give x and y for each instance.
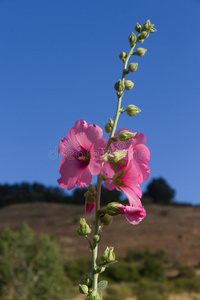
(81, 150)
(124, 178)
(141, 154)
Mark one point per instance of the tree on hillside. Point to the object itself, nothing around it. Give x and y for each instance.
(160, 191)
(30, 268)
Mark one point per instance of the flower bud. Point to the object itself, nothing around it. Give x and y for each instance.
(84, 229)
(117, 155)
(138, 27)
(142, 36)
(119, 86)
(122, 56)
(132, 39)
(146, 25)
(132, 67)
(140, 51)
(83, 289)
(129, 85)
(113, 208)
(132, 110)
(94, 295)
(105, 219)
(96, 238)
(125, 135)
(152, 30)
(87, 280)
(109, 126)
(92, 188)
(108, 255)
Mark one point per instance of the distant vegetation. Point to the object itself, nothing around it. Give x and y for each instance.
(34, 268)
(158, 191)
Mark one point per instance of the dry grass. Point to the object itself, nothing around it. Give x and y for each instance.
(175, 229)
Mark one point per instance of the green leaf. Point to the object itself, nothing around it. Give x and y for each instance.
(107, 264)
(102, 284)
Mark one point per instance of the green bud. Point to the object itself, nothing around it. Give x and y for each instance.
(94, 295)
(132, 39)
(117, 155)
(146, 25)
(108, 255)
(86, 280)
(142, 36)
(96, 238)
(123, 56)
(92, 188)
(119, 86)
(129, 85)
(83, 289)
(125, 135)
(112, 208)
(132, 67)
(138, 27)
(109, 126)
(152, 29)
(105, 219)
(140, 51)
(132, 110)
(84, 229)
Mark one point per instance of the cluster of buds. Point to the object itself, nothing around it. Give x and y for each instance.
(90, 195)
(143, 33)
(109, 126)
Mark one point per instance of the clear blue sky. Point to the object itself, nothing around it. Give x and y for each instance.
(59, 62)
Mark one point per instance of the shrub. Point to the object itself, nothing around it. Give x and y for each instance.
(152, 268)
(122, 272)
(32, 268)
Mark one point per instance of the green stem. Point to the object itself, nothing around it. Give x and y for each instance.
(119, 100)
(95, 249)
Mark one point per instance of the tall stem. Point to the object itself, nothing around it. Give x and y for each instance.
(119, 100)
(95, 249)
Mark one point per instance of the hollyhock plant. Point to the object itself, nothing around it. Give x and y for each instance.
(81, 150)
(121, 163)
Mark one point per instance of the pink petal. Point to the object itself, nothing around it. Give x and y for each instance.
(96, 153)
(87, 134)
(134, 215)
(89, 208)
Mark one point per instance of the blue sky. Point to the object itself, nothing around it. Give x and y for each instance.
(59, 62)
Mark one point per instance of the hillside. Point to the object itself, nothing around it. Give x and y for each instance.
(175, 229)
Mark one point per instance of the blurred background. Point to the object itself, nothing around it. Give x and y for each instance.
(59, 63)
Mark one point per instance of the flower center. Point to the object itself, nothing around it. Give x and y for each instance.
(84, 156)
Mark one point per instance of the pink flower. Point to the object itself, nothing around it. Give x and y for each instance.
(81, 150)
(134, 215)
(89, 208)
(126, 178)
(141, 154)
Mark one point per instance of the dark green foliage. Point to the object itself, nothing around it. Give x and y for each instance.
(186, 271)
(186, 284)
(151, 290)
(29, 267)
(153, 269)
(122, 271)
(75, 269)
(160, 191)
(27, 193)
